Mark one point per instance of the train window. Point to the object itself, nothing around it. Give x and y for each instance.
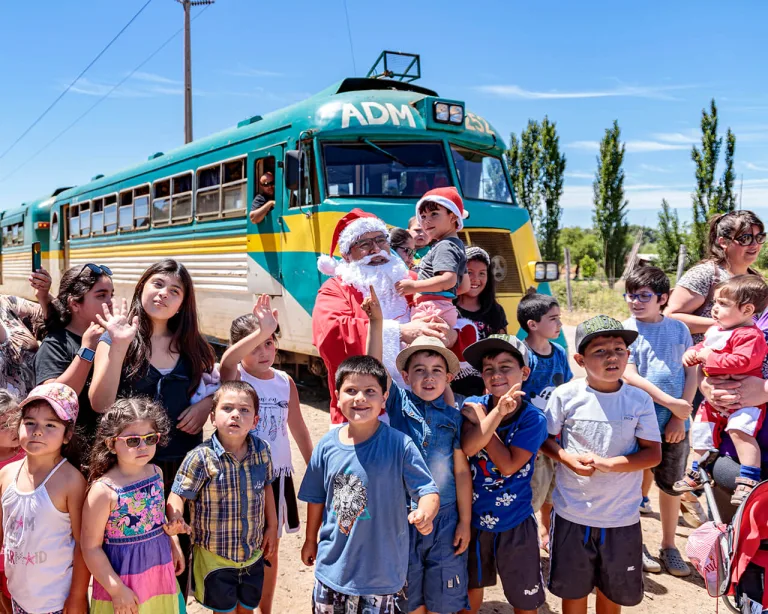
(110, 214)
(181, 198)
(74, 221)
(141, 206)
(85, 219)
(308, 179)
(7, 236)
(97, 217)
(18, 234)
(208, 191)
(234, 188)
(481, 175)
(161, 203)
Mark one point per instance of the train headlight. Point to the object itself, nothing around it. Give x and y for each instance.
(456, 114)
(546, 271)
(442, 112)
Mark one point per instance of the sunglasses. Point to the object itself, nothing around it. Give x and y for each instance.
(643, 297)
(748, 238)
(134, 441)
(98, 269)
(409, 253)
(381, 242)
(269, 184)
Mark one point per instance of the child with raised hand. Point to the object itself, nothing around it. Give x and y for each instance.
(442, 272)
(250, 358)
(42, 499)
(133, 561)
(501, 434)
(227, 481)
(357, 487)
(735, 346)
(10, 452)
(437, 568)
(608, 435)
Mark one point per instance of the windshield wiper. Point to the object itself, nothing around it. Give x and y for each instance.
(389, 155)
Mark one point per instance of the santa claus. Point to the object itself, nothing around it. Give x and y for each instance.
(339, 324)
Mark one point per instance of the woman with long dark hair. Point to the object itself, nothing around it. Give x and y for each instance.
(72, 333)
(479, 305)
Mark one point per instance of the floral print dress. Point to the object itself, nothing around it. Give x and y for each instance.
(139, 550)
(17, 353)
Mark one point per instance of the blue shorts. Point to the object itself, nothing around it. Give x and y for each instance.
(437, 578)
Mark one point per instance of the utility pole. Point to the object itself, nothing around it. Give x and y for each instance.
(188, 4)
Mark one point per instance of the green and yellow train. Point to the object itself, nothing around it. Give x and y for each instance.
(372, 143)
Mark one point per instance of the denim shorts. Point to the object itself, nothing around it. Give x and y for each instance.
(437, 577)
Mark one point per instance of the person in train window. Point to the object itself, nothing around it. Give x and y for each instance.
(264, 201)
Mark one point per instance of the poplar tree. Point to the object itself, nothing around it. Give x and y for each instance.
(710, 197)
(523, 159)
(552, 167)
(671, 236)
(610, 217)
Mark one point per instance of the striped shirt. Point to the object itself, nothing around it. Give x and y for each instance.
(227, 497)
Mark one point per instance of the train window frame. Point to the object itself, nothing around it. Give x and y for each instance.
(223, 188)
(142, 191)
(311, 186)
(107, 205)
(7, 236)
(97, 209)
(182, 219)
(74, 208)
(455, 148)
(125, 203)
(18, 233)
(85, 207)
(159, 223)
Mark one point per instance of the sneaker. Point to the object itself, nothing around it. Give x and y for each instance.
(650, 565)
(673, 562)
(691, 481)
(693, 514)
(645, 506)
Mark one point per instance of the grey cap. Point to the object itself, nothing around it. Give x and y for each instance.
(604, 326)
(495, 343)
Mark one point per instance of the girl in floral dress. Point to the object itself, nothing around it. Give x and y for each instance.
(125, 540)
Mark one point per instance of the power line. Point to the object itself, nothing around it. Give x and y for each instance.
(349, 33)
(98, 102)
(69, 87)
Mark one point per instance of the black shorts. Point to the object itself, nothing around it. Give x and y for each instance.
(674, 458)
(286, 505)
(220, 584)
(513, 555)
(582, 558)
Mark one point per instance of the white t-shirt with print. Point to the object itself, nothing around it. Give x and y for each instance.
(607, 424)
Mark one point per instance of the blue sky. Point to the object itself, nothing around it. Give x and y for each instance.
(653, 66)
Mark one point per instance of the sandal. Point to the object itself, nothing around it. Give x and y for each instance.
(674, 564)
(650, 565)
(691, 481)
(693, 514)
(744, 486)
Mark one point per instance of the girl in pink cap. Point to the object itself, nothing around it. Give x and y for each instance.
(42, 498)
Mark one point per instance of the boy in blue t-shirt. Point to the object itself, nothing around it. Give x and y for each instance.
(656, 366)
(539, 316)
(501, 434)
(357, 487)
(437, 567)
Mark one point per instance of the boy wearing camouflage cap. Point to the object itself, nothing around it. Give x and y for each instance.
(608, 436)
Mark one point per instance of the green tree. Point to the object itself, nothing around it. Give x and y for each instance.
(552, 168)
(581, 242)
(523, 159)
(588, 267)
(610, 216)
(670, 237)
(711, 198)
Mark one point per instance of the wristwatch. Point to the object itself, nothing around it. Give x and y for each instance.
(86, 354)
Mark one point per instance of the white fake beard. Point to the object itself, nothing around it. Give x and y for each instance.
(361, 275)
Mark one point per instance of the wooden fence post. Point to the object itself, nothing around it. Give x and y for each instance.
(681, 261)
(568, 278)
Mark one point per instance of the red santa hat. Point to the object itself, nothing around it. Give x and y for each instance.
(448, 198)
(349, 229)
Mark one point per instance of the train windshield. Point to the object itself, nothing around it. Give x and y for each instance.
(379, 168)
(481, 176)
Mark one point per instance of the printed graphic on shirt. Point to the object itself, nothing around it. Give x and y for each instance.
(14, 546)
(540, 399)
(350, 501)
(272, 423)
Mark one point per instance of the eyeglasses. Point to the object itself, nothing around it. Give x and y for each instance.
(381, 242)
(748, 238)
(409, 253)
(98, 269)
(134, 441)
(643, 297)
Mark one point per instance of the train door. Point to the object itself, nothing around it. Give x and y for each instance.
(265, 259)
(60, 236)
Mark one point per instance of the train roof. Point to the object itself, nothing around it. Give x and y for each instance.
(320, 112)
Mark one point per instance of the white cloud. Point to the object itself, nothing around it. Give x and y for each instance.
(690, 137)
(246, 71)
(755, 167)
(579, 175)
(585, 145)
(643, 146)
(654, 169)
(623, 91)
(153, 78)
